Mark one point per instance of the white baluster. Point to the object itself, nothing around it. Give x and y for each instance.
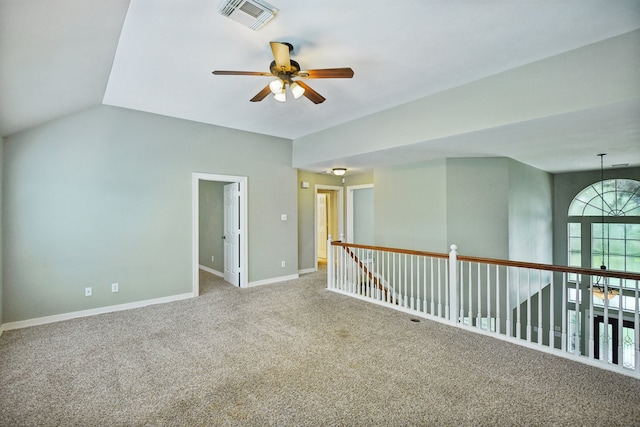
(620, 325)
(576, 336)
(507, 323)
(518, 324)
(540, 331)
(563, 337)
(454, 301)
(498, 318)
(424, 292)
(488, 298)
(552, 320)
(330, 271)
(470, 313)
(636, 327)
(590, 326)
(479, 312)
(412, 283)
(528, 305)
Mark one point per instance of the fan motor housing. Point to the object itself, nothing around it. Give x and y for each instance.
(295, 67)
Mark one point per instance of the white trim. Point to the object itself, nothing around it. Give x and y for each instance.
(350, 189)
(211, 270)
(340, 191)
(307, 271)
(94, 311)
(273, 280)
(195, 237)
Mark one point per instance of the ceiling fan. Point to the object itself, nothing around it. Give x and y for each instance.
(286, 69)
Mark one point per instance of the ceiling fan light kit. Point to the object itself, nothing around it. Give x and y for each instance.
(286, 69)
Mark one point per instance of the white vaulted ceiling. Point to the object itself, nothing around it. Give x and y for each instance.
(61, 56)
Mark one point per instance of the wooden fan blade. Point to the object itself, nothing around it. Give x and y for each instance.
(327, 73)
(240, 73)
(261, 95)
(281, 56)
(311, 94)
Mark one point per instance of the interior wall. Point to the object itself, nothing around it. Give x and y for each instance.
(211, 218)
(530, 214)
(477, 206)
(1, 231)
(411, 206)
(104, 196)
(363, 216)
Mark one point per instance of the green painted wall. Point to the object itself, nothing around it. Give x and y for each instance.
(211, 228)
(104, 196)
(411, 206)
(477, 206)
(1, 232)
(363, 220)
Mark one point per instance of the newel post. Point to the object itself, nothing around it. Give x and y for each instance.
(330, 269)
(453, 285)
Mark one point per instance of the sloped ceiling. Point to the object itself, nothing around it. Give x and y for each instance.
(61, 56)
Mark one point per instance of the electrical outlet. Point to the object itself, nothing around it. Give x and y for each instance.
(283, 264)
(114, 287)
(213, 258)
(88, 292)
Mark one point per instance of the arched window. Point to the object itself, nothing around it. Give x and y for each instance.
(604, 229)
(613, 197)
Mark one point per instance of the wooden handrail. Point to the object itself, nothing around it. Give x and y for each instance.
(507, 263)
(367, 272)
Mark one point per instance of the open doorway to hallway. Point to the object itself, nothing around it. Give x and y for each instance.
(328, 219)
(220, 243)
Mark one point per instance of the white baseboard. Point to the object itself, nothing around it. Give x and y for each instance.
(211, 270)
(273, 280)
(307, 270)
(92, 312)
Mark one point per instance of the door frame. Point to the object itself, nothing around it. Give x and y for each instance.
(340, 196)
(350, 190)
(196, 177)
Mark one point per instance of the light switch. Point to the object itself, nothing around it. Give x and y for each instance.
(283, 217)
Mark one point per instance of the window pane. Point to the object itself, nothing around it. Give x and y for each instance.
(633, 264)
(616, 231)
(616, 263)
(633, 231)
(633, 247)
(575, 229)
(616, 247)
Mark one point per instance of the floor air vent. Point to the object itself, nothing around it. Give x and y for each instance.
(251, 13)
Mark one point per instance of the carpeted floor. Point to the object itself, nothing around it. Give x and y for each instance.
(291, 354)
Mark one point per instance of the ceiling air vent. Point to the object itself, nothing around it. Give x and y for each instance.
(251, 13)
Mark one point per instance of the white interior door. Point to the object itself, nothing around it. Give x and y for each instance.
(232, 233)
(321, 223)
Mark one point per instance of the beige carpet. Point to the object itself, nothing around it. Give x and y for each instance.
(291, 354)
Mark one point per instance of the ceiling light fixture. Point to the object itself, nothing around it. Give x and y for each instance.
(280, 97)
(339, 171)
(601, 290)
(276, 86)
(296, 90)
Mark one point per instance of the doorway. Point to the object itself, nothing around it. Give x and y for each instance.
(615, 348)
(360, 221)
(328, 218)
(236, 255)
